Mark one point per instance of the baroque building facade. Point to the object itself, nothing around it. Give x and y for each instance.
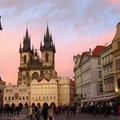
(116, 58)
(107, 69)
(88, 68)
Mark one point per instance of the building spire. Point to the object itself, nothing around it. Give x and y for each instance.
(47, 31)
(26, 41)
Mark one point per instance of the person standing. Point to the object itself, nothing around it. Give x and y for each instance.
(50, 113)
(31, 113)
(45, 112)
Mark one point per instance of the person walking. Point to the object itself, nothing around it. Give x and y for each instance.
(31, 112)
(67, 111)
(38, 113)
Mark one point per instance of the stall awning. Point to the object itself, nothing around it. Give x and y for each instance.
(105, 98)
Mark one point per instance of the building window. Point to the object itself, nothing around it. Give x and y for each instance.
(100, 74)
(118, 83)
(8, 98)
(5, 98)
(26, 97)
(99, 62)
(35, 76)
(118, 43)
(118, 63)
(12, 98)
(16, 96)
(46, 57)
(25, 59)
(19, 98)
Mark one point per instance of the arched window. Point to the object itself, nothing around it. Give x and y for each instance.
(24, 58)
(46, 57)
(35, 76)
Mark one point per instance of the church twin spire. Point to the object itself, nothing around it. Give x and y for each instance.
(48, 42)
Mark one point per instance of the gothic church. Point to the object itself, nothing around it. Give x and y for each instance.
(32, 65)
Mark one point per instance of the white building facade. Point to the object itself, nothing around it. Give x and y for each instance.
(77, 73)
(91, 73)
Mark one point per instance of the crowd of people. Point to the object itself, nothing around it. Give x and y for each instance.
(103, 108)
(48, 112)
(38, 111)
(10, 110)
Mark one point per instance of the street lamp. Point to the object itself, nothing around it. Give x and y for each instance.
(0, 24)
(0, 101)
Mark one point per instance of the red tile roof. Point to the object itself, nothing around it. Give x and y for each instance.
(97, 50)
(86, 53)
(72, 82)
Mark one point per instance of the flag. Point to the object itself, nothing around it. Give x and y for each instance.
(0, 24)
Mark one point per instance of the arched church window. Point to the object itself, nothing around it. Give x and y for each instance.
(24, 58)
(35, 76)
(46, 57)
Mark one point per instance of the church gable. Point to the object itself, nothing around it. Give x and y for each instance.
(9, 85)
(34, 82)
(64, 80)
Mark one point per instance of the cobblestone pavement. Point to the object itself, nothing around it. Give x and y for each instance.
(79, 116)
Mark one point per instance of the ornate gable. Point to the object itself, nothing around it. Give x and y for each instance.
(85, 56)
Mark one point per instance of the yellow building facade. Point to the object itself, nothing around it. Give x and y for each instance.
(116, 58)
(2, 85)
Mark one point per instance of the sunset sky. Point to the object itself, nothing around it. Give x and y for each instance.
(76, 26)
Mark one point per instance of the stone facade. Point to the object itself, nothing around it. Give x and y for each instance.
(32, 64)
(107, 69)
(116, 58)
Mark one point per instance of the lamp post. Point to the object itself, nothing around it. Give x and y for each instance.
(0, 100)
(0, 97)
(0, 23)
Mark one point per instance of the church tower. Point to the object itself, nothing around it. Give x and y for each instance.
(48, 55)
(32, 66)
